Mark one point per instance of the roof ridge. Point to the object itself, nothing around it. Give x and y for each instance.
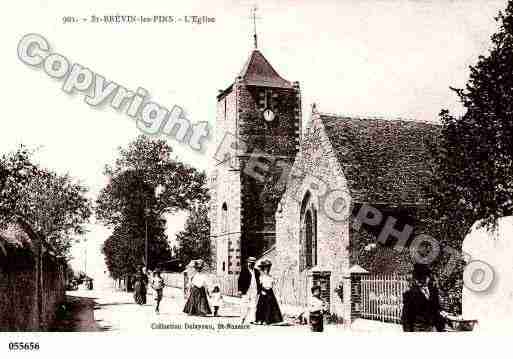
(373, 117)
(369, 117)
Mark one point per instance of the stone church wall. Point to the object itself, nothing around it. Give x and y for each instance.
(225, 224)
(315, 161)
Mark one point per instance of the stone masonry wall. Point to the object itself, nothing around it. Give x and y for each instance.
(316, 162)
(225, 224)
(276, 140)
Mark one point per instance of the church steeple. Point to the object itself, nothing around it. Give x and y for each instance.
(258, 72)
(261, 113)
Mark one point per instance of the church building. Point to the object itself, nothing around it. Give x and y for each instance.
(297, 207)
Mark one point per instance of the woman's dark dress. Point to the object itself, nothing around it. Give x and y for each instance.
(141, 281)
(268, 310)
(197, 303)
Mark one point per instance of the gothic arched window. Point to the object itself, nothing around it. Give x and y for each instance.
(308, 234)
(308, 239)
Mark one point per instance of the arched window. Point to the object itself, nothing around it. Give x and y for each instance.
(308, 234)
(224, 218)
(308, 239)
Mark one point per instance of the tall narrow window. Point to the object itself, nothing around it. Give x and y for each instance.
(314, 237)
(308, 234)
(224, 218)
(308, 240)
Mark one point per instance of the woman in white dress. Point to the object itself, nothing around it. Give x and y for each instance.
(268, 310)
(197, 303)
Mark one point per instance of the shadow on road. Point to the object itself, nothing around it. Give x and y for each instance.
(77, 315)
(98, 306)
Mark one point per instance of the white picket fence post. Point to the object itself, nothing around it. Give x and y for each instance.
(381, 297)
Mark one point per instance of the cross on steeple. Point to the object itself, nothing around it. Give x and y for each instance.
(253, 14)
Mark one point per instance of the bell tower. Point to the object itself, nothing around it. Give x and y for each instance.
(261, 113)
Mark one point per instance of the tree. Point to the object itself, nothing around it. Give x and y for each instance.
(146, 164)
(475, 180)
(16, 169)
(55, 206)
(129, 203)
(474, 161)
(194, 240)
(125, 248)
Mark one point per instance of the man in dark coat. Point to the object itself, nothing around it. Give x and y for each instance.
(421, 303)
(246, 275)
(249, 287)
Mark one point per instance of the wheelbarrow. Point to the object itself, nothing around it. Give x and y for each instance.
(458, 324)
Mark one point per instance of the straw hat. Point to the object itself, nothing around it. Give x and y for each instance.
(265, 263)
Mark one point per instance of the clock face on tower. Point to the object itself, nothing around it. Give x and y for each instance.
(268, 115)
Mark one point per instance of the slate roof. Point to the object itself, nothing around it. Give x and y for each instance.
(258, 72)
(384, 161)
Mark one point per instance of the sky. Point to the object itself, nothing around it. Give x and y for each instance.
(389, 58)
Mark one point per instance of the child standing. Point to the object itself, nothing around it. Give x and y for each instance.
(316, 307)
(216, 299)
(158, 285)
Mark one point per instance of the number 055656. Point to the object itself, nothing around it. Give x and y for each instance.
(23, 346)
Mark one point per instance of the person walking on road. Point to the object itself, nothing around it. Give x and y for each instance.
(267, 309)
(216, 300)
(197, 302)
(421, 303)
(249, 287)
(158, 285)
(140, 283)
(316, 309)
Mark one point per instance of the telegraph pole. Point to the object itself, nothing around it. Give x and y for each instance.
(146, 236)
(85, 257)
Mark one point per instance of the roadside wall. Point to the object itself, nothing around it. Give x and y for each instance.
(31, 288)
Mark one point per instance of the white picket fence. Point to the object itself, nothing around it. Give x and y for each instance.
(381, 297)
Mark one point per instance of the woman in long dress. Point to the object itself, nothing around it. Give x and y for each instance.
(267, 311)
(140, 282)
(197, 302)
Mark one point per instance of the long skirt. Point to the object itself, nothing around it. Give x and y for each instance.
(267, 310)
(140, 293)
(197, 303)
